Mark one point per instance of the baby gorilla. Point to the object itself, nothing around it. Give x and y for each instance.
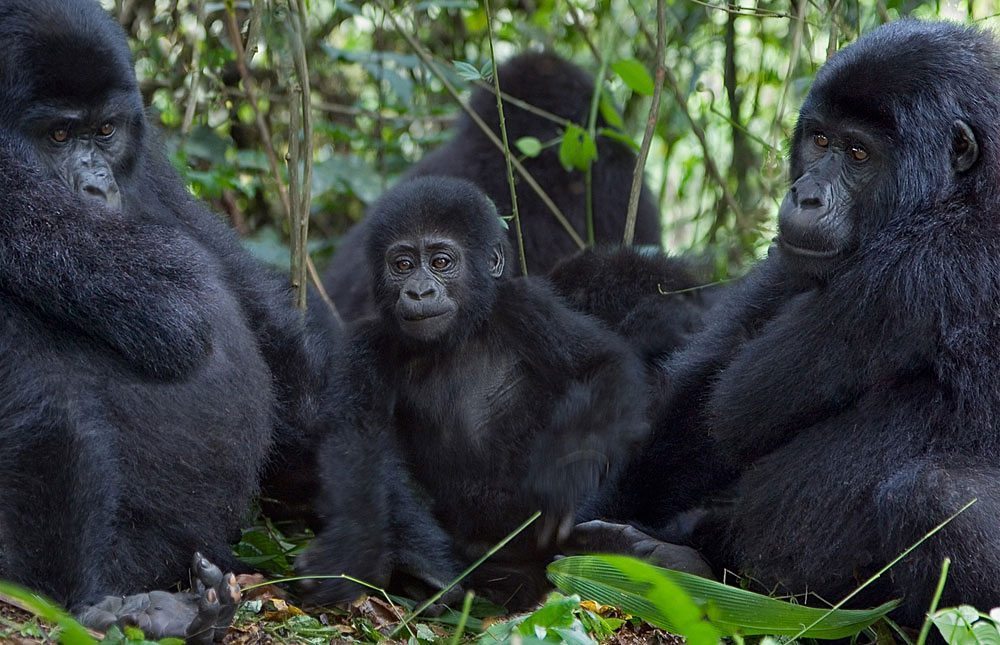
(467, 403)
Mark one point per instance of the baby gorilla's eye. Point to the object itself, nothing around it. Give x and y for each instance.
(859, 154)
(60, 135)
(106, 130)
(404, 264)
(440, 263)
(821, 140)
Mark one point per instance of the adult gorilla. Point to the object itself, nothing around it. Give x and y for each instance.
(559, 88)
(143, 352)
(855, 382)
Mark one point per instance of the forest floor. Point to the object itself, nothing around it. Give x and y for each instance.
(267, 617)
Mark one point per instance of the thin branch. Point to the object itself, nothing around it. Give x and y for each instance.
(300, 218)
(639, 172)
(699, 132)
(506, 145)
(429, 64)
(264, 132)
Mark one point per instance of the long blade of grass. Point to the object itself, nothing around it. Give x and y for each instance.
(71, 632)
(650, 593)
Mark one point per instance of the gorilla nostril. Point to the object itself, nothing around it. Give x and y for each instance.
(94, 191)
(811, 201)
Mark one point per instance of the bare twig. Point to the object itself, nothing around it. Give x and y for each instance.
(194, 84)
(506, 145)
(300, 216)
(487, 131)
(647, 138)
(264, 132)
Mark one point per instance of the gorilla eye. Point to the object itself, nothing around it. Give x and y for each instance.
(106, 130)
(859, 154)
(821, 140)
(440, 263)
(60, 135)
(404, 264)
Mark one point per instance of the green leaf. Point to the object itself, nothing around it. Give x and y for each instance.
(962, 626)
(71, 632)
(635, 75)
(577, 149)
(467, 71)
(610, 112)
(697, 608)
(529, 146)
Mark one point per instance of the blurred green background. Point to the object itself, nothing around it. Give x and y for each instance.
(737, 73)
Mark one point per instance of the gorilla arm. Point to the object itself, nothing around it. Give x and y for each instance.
(137, 287)
(599, 412)
(373, 521)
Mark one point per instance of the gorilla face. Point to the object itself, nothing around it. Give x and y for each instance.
(422, 271)
(70, 92)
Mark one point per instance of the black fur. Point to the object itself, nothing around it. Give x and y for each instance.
(858, 396)
(146, 357)
(444, 446)
(558, 87)
(655, 301)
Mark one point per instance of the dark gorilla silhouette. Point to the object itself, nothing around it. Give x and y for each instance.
(470, 401)
(854, 379)
(655, 301)
(146, 358)
(560, 88)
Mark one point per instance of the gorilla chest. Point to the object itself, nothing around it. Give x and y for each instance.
(460, 399)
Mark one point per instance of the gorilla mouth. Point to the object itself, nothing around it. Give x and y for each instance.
(430, 315)
(805, 252)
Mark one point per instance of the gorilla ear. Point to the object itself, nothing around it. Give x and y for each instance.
(496, 261)
(964, 149)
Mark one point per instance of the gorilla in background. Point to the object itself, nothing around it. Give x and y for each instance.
(854, 381)
(559, 88)
(653, 300)
(470, 401)
(145, 356)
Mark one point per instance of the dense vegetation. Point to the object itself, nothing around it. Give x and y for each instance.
(735, 75)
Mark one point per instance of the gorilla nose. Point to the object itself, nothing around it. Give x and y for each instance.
(421, 292)
(101, 187)
(811, 194)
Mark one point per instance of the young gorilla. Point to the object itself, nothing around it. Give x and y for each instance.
(145, 355)
(560, 88)
(467, 403)
(855, 380)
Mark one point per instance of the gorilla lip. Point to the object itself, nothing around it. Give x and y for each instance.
(805, 252)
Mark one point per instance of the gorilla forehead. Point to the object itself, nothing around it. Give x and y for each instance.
(443, 205)
(63, 52)
(907, 66)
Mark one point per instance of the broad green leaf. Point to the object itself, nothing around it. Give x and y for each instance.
(529, 146)
(635, 75)
(963, 625)
(651, 593)
(638, 589)
(577, 149)
(71, 632)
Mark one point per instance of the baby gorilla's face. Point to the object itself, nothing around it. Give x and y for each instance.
(424, 272)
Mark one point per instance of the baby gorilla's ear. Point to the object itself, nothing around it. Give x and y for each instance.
(964, 149)
(497, 261)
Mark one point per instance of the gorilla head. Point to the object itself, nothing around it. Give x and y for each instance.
(435, 251)
(873, 150)
(71, 92)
